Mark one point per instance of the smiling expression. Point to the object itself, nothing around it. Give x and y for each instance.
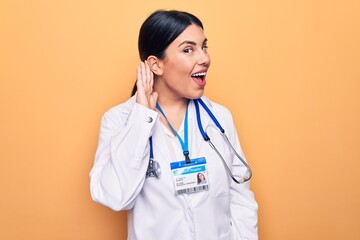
(185, 66)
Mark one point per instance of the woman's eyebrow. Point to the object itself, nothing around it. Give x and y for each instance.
(191, 42)
(187, 42)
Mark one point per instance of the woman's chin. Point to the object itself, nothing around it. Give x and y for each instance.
(197, 95)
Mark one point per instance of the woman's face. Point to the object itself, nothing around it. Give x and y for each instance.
(201, 177)
(185, 65)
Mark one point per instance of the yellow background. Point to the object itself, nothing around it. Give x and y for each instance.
(288, 70)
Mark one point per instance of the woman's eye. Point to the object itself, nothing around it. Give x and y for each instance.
(188, 50)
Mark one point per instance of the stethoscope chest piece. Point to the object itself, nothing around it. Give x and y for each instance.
(153, 169)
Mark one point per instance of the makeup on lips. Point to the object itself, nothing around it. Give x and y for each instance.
(199, 78)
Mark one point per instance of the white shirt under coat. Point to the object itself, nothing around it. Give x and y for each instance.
(226, 211)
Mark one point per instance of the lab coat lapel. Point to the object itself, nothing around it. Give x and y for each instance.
(162, 148)
(200, 144)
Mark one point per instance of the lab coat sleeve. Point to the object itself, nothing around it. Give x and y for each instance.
(244, 208)
(122, 156)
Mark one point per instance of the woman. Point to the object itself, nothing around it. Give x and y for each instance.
(151, 147)
(201, 178)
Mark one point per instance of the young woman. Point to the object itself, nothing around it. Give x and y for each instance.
(152, 147)
(201, 178)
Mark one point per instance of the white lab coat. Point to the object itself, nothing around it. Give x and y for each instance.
(226, 211)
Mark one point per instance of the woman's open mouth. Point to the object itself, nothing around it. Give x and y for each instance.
(199, 78)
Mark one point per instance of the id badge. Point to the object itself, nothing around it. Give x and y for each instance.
(190, 178)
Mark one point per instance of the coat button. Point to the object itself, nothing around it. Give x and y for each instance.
(149, 119)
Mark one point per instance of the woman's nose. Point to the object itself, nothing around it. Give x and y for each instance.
(204, 58)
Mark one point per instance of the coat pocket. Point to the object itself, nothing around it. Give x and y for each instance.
(219, 184)
(229, 235)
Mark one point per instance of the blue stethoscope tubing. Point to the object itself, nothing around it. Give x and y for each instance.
(154, 169)
(222, 131)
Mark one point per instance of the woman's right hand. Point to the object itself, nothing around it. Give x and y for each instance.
(145, 81)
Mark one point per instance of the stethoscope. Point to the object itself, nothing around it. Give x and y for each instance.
(154, 169)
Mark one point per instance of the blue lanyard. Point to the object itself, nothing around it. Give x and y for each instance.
(184, 143)
(206, 138)
(197, 108)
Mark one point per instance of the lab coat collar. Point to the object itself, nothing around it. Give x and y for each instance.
(205, 118)
(160, 138)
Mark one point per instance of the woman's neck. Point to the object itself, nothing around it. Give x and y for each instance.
(174, 109)
(172, 104)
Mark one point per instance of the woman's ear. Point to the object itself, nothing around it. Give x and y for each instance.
(155, 65)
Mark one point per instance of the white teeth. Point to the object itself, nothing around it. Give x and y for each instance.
(199, 74)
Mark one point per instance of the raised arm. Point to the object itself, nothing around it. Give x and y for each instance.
(122, 156)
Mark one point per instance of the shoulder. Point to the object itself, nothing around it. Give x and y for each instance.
(219, 110)
(223, 116)
(117, 115)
